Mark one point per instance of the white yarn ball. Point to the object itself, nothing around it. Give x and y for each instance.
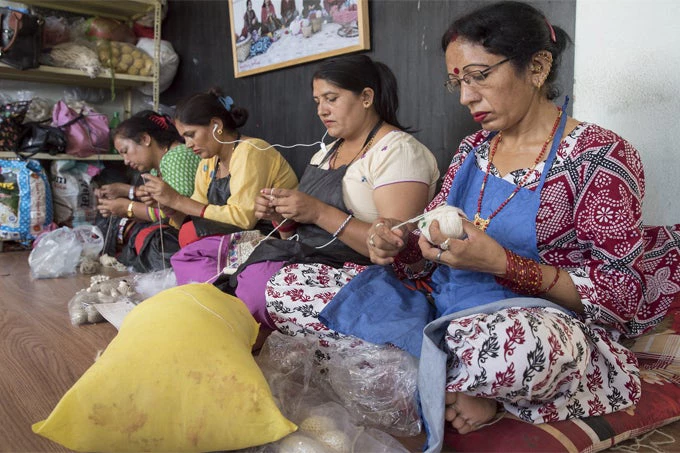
(317, 424)
(336, 440)
(298, 443)
(449, 218)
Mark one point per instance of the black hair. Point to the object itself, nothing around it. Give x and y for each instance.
(356, 72)
(512, 29)
(159, 127)
(200, 108)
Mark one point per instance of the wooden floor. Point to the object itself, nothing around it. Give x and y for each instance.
(42, 355)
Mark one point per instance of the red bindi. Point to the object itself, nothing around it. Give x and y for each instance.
(456, 70)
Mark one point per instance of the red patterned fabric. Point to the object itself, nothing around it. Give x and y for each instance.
(590, 223)
(659, 358)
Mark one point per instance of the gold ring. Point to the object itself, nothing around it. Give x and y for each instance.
(370, 240)
(445, 245)
(439, 256)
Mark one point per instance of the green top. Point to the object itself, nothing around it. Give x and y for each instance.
(178, 168)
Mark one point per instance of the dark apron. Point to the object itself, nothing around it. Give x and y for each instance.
(325, 185)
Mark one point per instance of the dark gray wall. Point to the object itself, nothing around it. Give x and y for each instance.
(405, 34)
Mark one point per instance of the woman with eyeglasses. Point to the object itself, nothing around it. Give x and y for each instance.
(554, 265)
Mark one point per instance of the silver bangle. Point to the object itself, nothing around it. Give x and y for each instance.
(342, 226)
(131, 192)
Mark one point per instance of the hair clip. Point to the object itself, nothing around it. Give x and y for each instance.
(553, 38)
(226, 101)
(160, 121)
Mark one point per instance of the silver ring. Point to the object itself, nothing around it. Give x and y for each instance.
(370, 240)
(379, 224)
(445, 245)
(439, 256)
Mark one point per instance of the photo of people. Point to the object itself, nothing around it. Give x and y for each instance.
(271, 34)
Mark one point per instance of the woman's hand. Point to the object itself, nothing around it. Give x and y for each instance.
(116, 206)
(383, 242)
(477, 252)
(159, 191)
(295, 205)
(113, 190)
(143, 195)
(264, 208)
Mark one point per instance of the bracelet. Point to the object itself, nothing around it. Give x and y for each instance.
(120, 237)
(288, 225)
(202, 214)
(130, 213)
(131, 192)
(523, 275)
(554, 282)
(342, 225)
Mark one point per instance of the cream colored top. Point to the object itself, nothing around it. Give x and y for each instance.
(397, 157)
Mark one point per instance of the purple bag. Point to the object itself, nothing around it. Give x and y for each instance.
(87, 132)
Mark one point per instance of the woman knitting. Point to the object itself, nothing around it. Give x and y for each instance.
(554, 265)
(148, 142)
(233, 169)
(374, 168)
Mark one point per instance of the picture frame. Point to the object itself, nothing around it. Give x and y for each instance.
(274, 34)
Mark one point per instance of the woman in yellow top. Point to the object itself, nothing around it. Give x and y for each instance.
(233, 170)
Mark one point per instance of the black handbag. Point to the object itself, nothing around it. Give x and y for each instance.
(39, 137)
(20, 39)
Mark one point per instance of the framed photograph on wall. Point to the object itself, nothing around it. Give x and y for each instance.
(274, 34)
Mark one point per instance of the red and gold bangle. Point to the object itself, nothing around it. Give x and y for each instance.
(202, 214)
(523, 275)
(287, 225)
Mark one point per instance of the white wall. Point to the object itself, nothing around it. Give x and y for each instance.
(627, 79)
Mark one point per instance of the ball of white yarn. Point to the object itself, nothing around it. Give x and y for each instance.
(449, 218)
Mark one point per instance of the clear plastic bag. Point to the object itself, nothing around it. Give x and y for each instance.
(82, 308)
(374, 385)
(56, 254)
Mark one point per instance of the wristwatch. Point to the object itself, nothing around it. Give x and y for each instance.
(130, 213)
(131, 193)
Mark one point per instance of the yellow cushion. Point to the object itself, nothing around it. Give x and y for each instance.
(179, 376)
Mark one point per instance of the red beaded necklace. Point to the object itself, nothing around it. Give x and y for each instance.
(482, 223)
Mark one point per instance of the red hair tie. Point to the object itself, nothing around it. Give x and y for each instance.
(160, 121)
(553, 38)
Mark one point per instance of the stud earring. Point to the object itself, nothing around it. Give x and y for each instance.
(535, 68)
(367, 105)
(219, 131)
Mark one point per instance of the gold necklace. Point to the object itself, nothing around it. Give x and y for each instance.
(482, 223)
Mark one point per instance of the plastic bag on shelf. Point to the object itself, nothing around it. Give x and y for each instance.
(74, 56)
(169, 61)
(124, 58)
(376, 384)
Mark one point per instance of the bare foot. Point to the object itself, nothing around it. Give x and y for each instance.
(467, 413)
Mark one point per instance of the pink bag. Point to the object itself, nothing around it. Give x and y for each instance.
(87, 132)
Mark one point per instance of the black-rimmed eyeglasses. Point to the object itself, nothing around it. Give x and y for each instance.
(472, 78)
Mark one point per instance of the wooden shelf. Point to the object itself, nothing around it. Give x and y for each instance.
(46, 156)
(116, 9)
(52, 74)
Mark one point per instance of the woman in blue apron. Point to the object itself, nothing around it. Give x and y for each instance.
(555, 265)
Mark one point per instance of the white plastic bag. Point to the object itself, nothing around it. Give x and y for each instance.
(56, 254)
(169, 61)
